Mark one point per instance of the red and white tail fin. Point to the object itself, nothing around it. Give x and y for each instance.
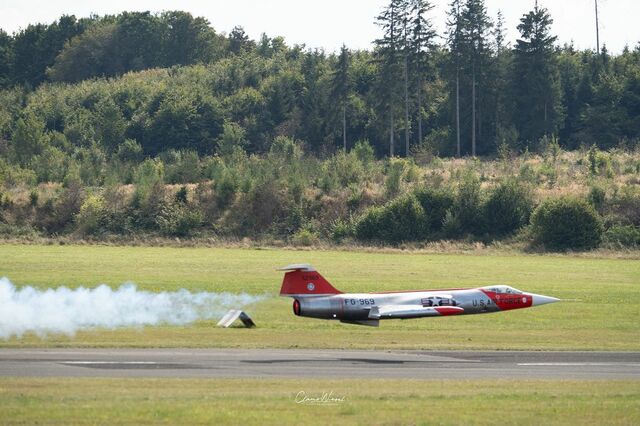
(303, 280)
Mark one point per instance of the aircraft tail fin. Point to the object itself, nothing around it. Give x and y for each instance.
(304, 280)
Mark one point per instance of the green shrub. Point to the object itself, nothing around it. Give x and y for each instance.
(342, 229)
(567, 223)
(147, 205)
(527, 174)
(395, 170)
(625, 205)
(622, 236)
(181, 166)
(66, 207)
(50, 165)
(233, 137)
(552, 148)
(593, 160)
(148, 173)
(285, 148)
(225, 189)
(451, 226)
(181, 196)
(291, 219)
(368, 226)
(305, 237)
(412, 172)
(599, 163)
(258, 210)
(461, 213)
(355, 197)
(547, 173)
(328, 180)
(12, 174)
(212, 167)
(435, 203)
(92, 162)
(399, 221)
(347, 168)
(33, 198)
(118, 216)
(597, 197)
(437, 142)
(129, 152)
(91, 215)
(178, 221)
(364, 152)
(296, 187)
(467, 207)
(508, 208)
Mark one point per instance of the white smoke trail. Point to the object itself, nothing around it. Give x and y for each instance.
(65, 310)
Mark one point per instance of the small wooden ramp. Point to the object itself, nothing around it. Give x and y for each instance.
(231, 316)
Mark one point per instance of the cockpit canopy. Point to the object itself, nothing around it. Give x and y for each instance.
(502, 289)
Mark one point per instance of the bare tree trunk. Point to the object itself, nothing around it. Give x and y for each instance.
(458, 112)
(406, 106)
(597, 31)
(391, 135)
(479, 96)
(420, 113)
(479, 102)
(344, 127)
(473, 114)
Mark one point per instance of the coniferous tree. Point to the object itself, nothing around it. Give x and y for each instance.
(406, 51)
(6, 53)
(387, 55)
(314, 123)
(535, 85)
(477, 25)
(571, 72)
(422, 42)
(239, 41)
(499, 67)
(341, 87)
(455, 41)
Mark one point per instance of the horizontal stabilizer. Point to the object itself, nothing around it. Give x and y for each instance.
(297, 267)
(412, 311)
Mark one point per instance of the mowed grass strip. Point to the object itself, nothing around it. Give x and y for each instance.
(602, 310)
(266, 401)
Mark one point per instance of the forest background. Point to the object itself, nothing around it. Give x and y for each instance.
(155, 125)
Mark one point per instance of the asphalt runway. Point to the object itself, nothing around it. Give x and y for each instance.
(283, 363)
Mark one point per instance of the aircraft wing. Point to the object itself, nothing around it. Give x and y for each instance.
(412, 311)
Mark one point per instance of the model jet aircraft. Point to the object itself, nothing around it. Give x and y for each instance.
(314, 297)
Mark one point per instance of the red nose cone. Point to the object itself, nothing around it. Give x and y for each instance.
(296, 307)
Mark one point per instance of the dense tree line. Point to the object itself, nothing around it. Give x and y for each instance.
(71, 50)
(468, 95)
(154, 124)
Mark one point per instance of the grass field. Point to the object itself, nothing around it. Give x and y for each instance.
(255, 401)
(602, 314)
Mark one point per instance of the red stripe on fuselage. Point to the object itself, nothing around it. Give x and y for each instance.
(448, 310)
(507, 302)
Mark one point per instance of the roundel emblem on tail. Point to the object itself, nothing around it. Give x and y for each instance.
(311, 287)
